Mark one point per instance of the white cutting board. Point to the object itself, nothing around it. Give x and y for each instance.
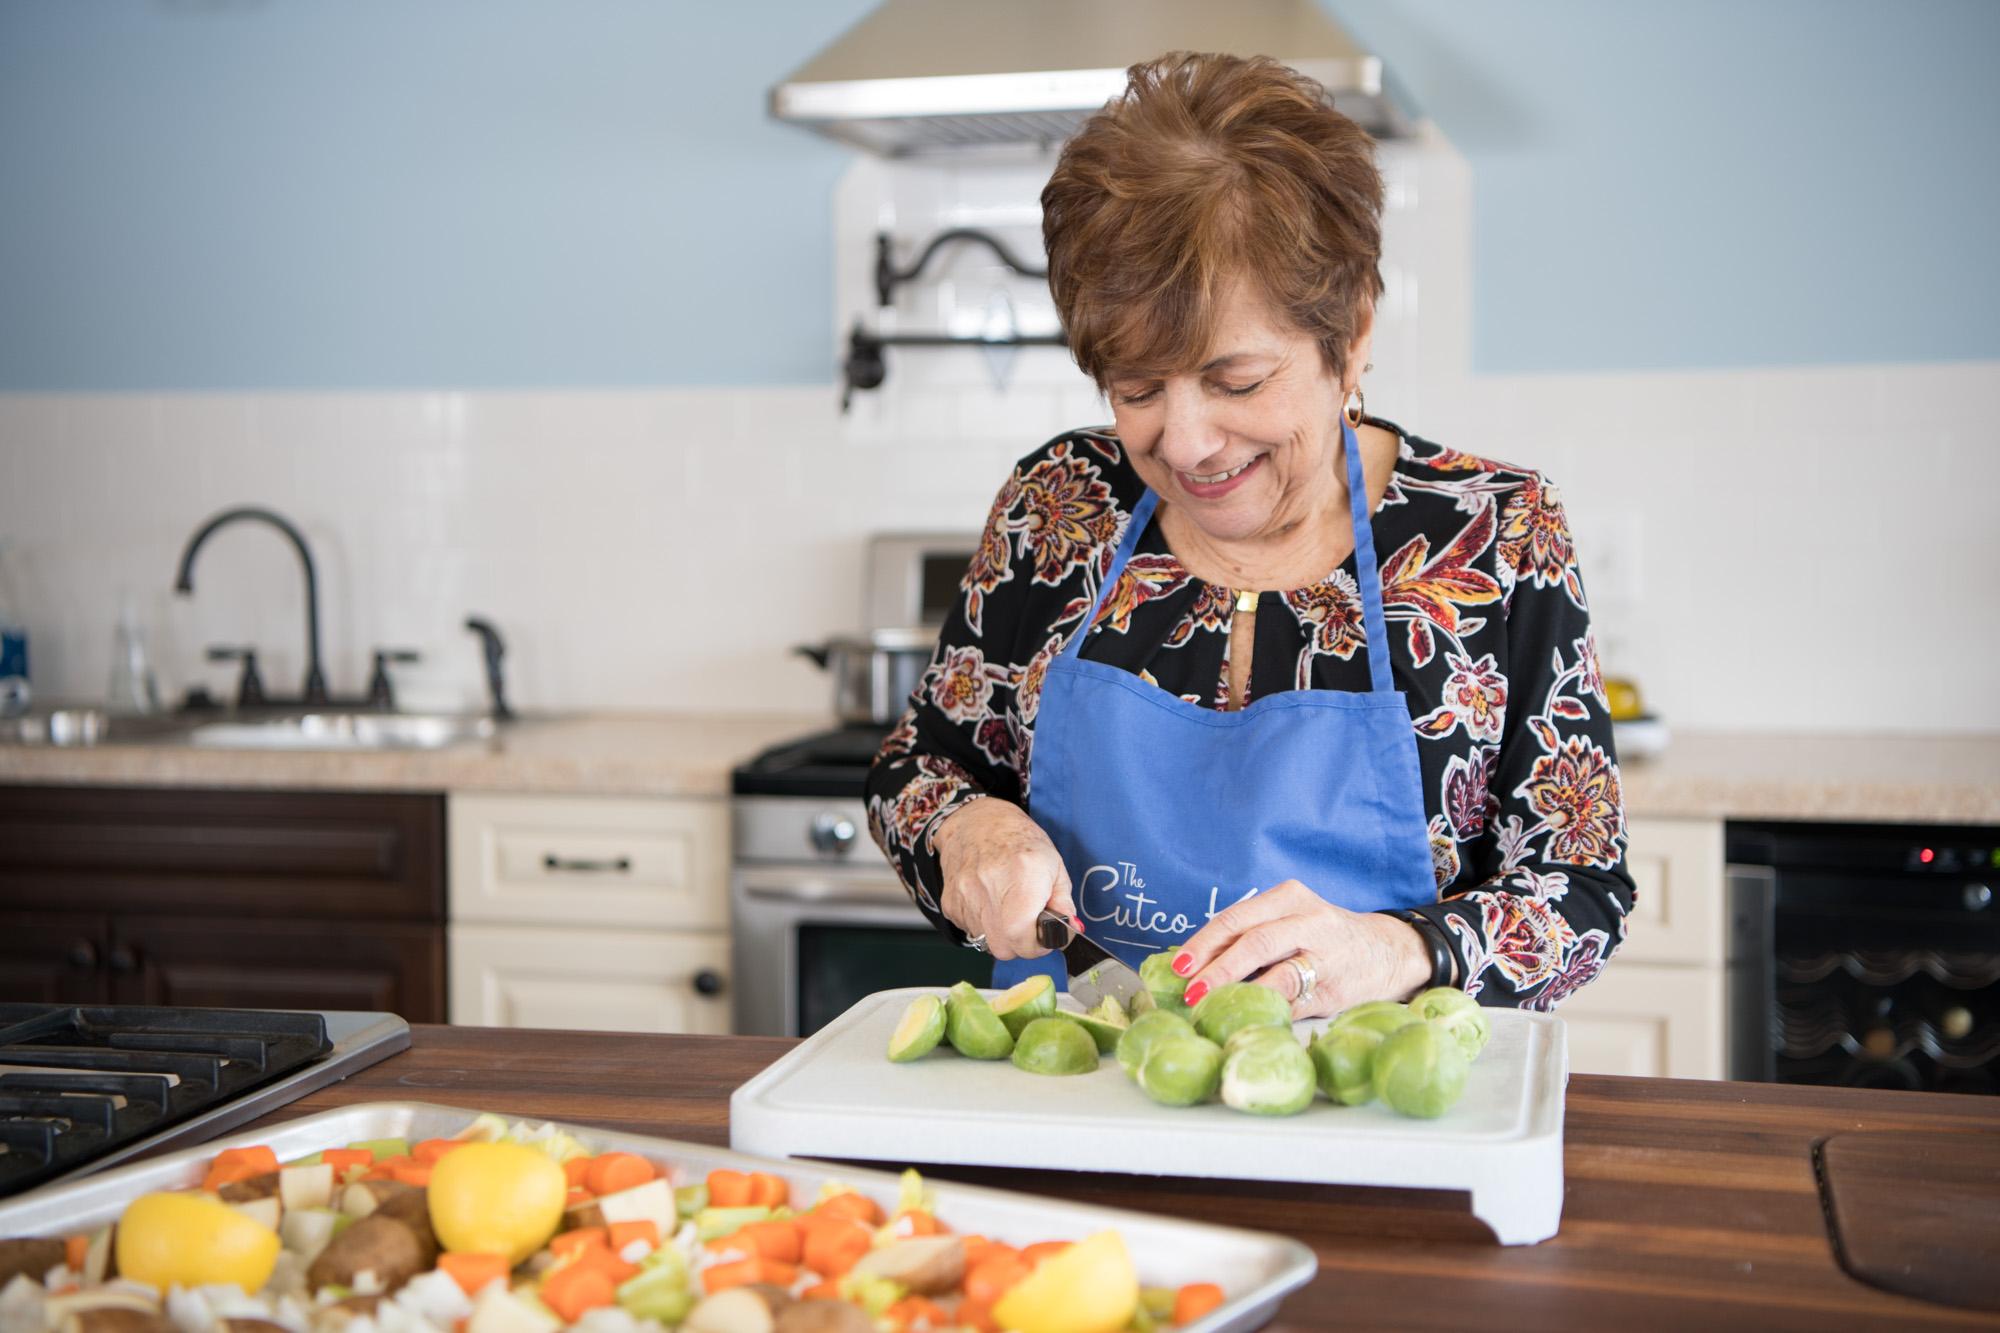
(837, 1095)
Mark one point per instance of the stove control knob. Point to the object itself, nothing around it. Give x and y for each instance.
(832, 835)
(708, 982)
(1978, 897)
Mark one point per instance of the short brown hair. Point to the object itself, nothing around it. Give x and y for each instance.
(1209, 168)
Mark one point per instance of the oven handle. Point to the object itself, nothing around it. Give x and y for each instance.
(808, 885)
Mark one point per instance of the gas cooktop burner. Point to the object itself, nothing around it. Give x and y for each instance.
(86, 1086)
(827, 763)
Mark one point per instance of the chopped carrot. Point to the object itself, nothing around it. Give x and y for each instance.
(385, 1168)
(995, 1274)
(834, 1245)
(728, 1189)
(1040, 1250)
(569, 1242)
(624, 1233)
(857, 1206)
(780, 1239)
(343, 1160)
(75, 1250)
(413, 1173)
(577, 1170)
(768, 1191)
(917, 1222)
(1195, 1300)
(578, 1194)
(615, 1171)
(975, 1315)
(604, 1261)
(736, 1273)
(473, 1271)
(822, 1291)
(978, 1250)
(913, 1310)
(575, 1289)
(432, 1149)
(777, 1272)
(234, 1164)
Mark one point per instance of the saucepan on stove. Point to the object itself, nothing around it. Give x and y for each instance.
(873, 674)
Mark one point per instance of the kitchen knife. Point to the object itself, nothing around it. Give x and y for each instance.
(1093, 972)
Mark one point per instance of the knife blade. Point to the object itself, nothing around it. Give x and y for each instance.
(1093, 972)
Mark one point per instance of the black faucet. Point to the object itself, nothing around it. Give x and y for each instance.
(184, 583)
(490, 640)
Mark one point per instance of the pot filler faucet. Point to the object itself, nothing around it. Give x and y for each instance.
(184, 583)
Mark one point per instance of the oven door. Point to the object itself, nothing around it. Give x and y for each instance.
(809, 941)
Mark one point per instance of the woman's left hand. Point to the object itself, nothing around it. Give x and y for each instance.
(1355, 956)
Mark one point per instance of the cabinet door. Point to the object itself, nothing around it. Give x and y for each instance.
(614, 981)
(245, 963)
(53, 957)
(1679, 914)
(1648, 1019)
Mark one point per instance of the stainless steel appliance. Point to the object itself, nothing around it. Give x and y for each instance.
(913, 577)
(818, 917)
(1865, 955)
(873, 675)
(87, 1087)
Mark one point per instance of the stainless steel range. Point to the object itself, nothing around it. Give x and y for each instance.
(819, 918)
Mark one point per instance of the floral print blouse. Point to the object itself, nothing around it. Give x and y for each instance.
(1491, 643)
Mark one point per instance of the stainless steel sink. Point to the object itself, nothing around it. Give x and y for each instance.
(86, 726)
(343, 731)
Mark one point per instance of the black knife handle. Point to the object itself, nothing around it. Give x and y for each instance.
(1053, 931)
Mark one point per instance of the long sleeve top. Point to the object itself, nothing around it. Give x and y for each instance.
(1490, 641)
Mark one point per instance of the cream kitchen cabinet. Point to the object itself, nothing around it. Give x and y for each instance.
(1658, 1008)
(586, 912)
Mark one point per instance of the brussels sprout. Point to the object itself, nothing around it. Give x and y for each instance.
(1142, 1003)
(1256, 1036)
(971, 1026)
(1105, 1024)
(1267, 1077)
(1054, 1046)
(1146, 1029)
(1344, 1059)
(1157, 972)
(1461, 1015)
(918, 1031)
(1420, 1070)
(1021, 1004)
(1180, 1070)
(1385, 1016)
(1235, 1005)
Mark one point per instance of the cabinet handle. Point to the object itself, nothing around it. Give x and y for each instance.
(708, 982)
(123, 958)
(83, 955)
(618, 864)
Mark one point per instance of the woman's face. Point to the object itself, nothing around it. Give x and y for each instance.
(1248, 445)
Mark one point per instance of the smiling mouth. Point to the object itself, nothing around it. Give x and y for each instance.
(1215, 478)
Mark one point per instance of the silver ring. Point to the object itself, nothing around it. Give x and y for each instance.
(1308, 978)
(976, 942)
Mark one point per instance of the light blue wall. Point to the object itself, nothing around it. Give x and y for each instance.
(213, 194)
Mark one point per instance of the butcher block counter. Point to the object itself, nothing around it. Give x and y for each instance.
(1689, 1204)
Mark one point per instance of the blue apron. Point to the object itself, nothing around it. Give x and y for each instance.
(1165, 812)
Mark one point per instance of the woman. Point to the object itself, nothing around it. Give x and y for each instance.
(1345, 786)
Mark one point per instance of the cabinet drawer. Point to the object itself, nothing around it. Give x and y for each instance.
(583, 862)
(1679, 916)
(223, 853)
(1647, 1019)
(250, 964)
(595, 980)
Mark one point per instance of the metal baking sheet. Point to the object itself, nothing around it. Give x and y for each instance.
(1255, 1269)
(831, 1096)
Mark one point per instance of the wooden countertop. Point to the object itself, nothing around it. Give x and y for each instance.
(1688, 1204)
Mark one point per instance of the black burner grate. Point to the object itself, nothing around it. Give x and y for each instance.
(78, 1082)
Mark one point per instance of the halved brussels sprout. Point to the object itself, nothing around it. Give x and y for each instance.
(1420, 1070)
(1464, 1017)
(1235, 1005)
(1268, 1077)
(1180, 1069)
(1385, 1016)
(1344, 1059)
(1105, 1024)
(1146, 1029)
(971, 1026)
(1156, 970)
(918, 1031)
(1024, 1002)
(1054, 1045)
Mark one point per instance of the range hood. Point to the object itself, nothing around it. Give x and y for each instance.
(928, 76)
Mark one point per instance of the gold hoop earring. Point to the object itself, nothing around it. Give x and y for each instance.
(1355, 408)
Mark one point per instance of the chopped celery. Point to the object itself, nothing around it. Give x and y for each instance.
(382, 1148)
(873, 1294)
(658, 1293)
(1157, 1301)
(913, 1193)
(690, 1199)
(313, 1160)
(714, 1223)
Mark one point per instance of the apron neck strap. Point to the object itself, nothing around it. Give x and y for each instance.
(1366, 574)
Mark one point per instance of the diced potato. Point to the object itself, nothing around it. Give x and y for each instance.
(498, 1310)
(306, 1186)
(264, 1212)
(651, 1202)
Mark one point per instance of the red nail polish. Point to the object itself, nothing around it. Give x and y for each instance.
(1195, 992)
(1183, 963)
(1076, 924)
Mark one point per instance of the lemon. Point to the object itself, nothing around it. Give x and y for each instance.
(496, 1198)
(190, 1240)
(1622, 699)
(1088, 1288)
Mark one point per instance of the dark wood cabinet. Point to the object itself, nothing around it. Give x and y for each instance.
(257, 899)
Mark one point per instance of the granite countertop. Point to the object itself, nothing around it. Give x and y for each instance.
(1886, 777)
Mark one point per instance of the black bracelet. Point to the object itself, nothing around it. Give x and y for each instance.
(1442, 965)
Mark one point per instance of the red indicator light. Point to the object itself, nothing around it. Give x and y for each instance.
(1927, 856)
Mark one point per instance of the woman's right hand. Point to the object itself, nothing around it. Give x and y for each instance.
(1000, 871)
